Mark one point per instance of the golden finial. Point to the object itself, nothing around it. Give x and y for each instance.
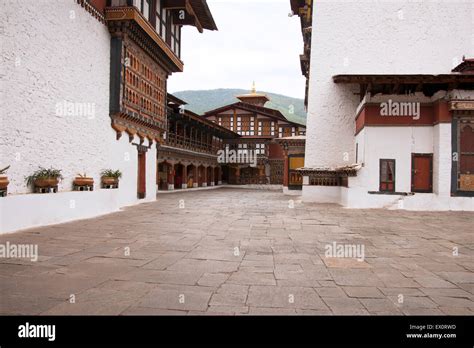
(254, 90)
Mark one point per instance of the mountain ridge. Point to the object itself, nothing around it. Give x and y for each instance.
(200, 101)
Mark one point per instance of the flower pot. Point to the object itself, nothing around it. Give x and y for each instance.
(106, 180)
(46, 182)
(3, 182)
(83, 181)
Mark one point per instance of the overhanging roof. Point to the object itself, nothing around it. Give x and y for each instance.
(202, 11)
(248, 107)
(403, 78)
(175, 100)
(253, 108)
(198, 13)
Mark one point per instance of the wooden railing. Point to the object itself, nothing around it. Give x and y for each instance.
(182, 142)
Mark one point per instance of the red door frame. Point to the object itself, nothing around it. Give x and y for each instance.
(413, 172)
(141, 177)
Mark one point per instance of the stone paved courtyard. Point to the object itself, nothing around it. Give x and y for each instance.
(235, 251)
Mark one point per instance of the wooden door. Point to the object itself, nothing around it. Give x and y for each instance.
(422, 173)
(141, 175)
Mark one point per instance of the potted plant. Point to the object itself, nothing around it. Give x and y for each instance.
(3, 181)
(81, 181)
(44, 178)
(110, 178)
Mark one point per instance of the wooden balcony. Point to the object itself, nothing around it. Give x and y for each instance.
(118, 19)
(186, 143)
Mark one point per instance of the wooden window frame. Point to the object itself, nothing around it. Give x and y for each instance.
(394, 175)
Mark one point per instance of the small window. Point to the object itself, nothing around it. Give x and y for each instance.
(387, 175)
(146, 9)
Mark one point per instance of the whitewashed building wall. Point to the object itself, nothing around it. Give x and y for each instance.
(376, 37)
(63, 55)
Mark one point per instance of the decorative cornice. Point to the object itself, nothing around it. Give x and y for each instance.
(92, 10)
(461, 105)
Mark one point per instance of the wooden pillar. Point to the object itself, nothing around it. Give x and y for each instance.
(185, 177)
(204, 183)
(195, 176)
(285, 170)
(170, 169)
(261, 174)
(212, 177)
(237, 175)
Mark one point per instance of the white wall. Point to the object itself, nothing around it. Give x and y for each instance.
(442, 159)
(379, 37)
(374, 37)
(396, 143)
(49, 58)
(52, 52)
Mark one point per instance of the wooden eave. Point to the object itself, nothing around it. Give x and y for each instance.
(220, 131)
(175, 100)
(405, 79)
(127, 14)
(465, 67)
(272, 113)
(402, 84)
(251, 108)
(198, 10)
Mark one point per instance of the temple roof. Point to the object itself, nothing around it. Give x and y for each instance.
(253, 97)
(253, 108)
(465, 67)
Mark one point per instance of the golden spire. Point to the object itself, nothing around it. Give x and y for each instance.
(254, 90)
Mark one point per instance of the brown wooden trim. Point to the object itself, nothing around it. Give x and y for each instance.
(131, 13)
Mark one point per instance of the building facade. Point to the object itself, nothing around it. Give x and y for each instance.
(259, 158)
(84, 86)
(188, 157)
(390, 117)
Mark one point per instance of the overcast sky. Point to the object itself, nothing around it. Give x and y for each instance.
(256, 40)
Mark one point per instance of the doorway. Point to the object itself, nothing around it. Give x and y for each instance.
(141, 185)
(422, 173)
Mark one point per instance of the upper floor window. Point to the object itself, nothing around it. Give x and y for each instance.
(143, 6)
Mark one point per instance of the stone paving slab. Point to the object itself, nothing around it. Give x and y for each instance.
(244, 252)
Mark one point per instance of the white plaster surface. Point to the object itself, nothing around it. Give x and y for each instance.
(380, 37)
(55, 52)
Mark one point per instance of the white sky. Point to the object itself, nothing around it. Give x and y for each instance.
(256, 40)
